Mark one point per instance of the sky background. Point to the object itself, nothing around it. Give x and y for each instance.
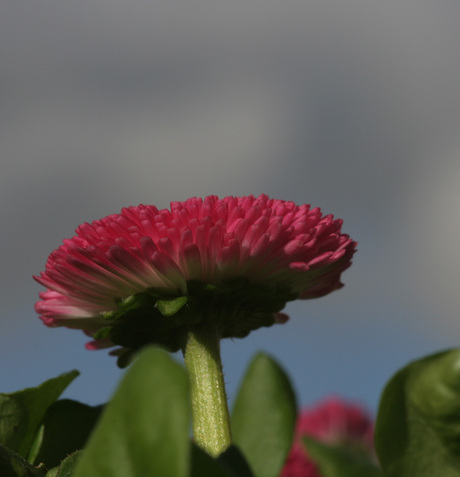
(350, 106)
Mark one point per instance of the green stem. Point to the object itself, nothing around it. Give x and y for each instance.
(211, 419)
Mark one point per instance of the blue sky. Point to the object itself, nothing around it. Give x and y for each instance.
(350, 106)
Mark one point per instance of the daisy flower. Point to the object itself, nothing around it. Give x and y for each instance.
(149, 276)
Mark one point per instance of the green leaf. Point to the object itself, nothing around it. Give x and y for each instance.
(169, 307)
(66, 427)
(13, 465)
(67, 466)
(13, 421)
(144, 430)
(22, 411)
(334, 460)
(418, 423)
(264, 416)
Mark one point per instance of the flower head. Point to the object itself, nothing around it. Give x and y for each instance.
(234, 262)
(335, 422)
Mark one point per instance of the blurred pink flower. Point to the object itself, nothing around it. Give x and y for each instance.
(254, 253)
(332, 421)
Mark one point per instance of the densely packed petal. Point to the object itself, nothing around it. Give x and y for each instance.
(242, 246)
(332, 421)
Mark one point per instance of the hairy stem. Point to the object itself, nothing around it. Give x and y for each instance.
(211, 419)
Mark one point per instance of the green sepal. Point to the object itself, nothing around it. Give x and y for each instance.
(111, 315)
(341, 460)
(126, 357)
(103, 333)
(14, 465)
(131, 303)
(22, 411)
(264, 415)
(418, 422)
(237, 306)
(171, 306)
(147, 318)
(233, 309)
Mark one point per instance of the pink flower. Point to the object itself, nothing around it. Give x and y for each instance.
(234, 262)
(332, 421)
